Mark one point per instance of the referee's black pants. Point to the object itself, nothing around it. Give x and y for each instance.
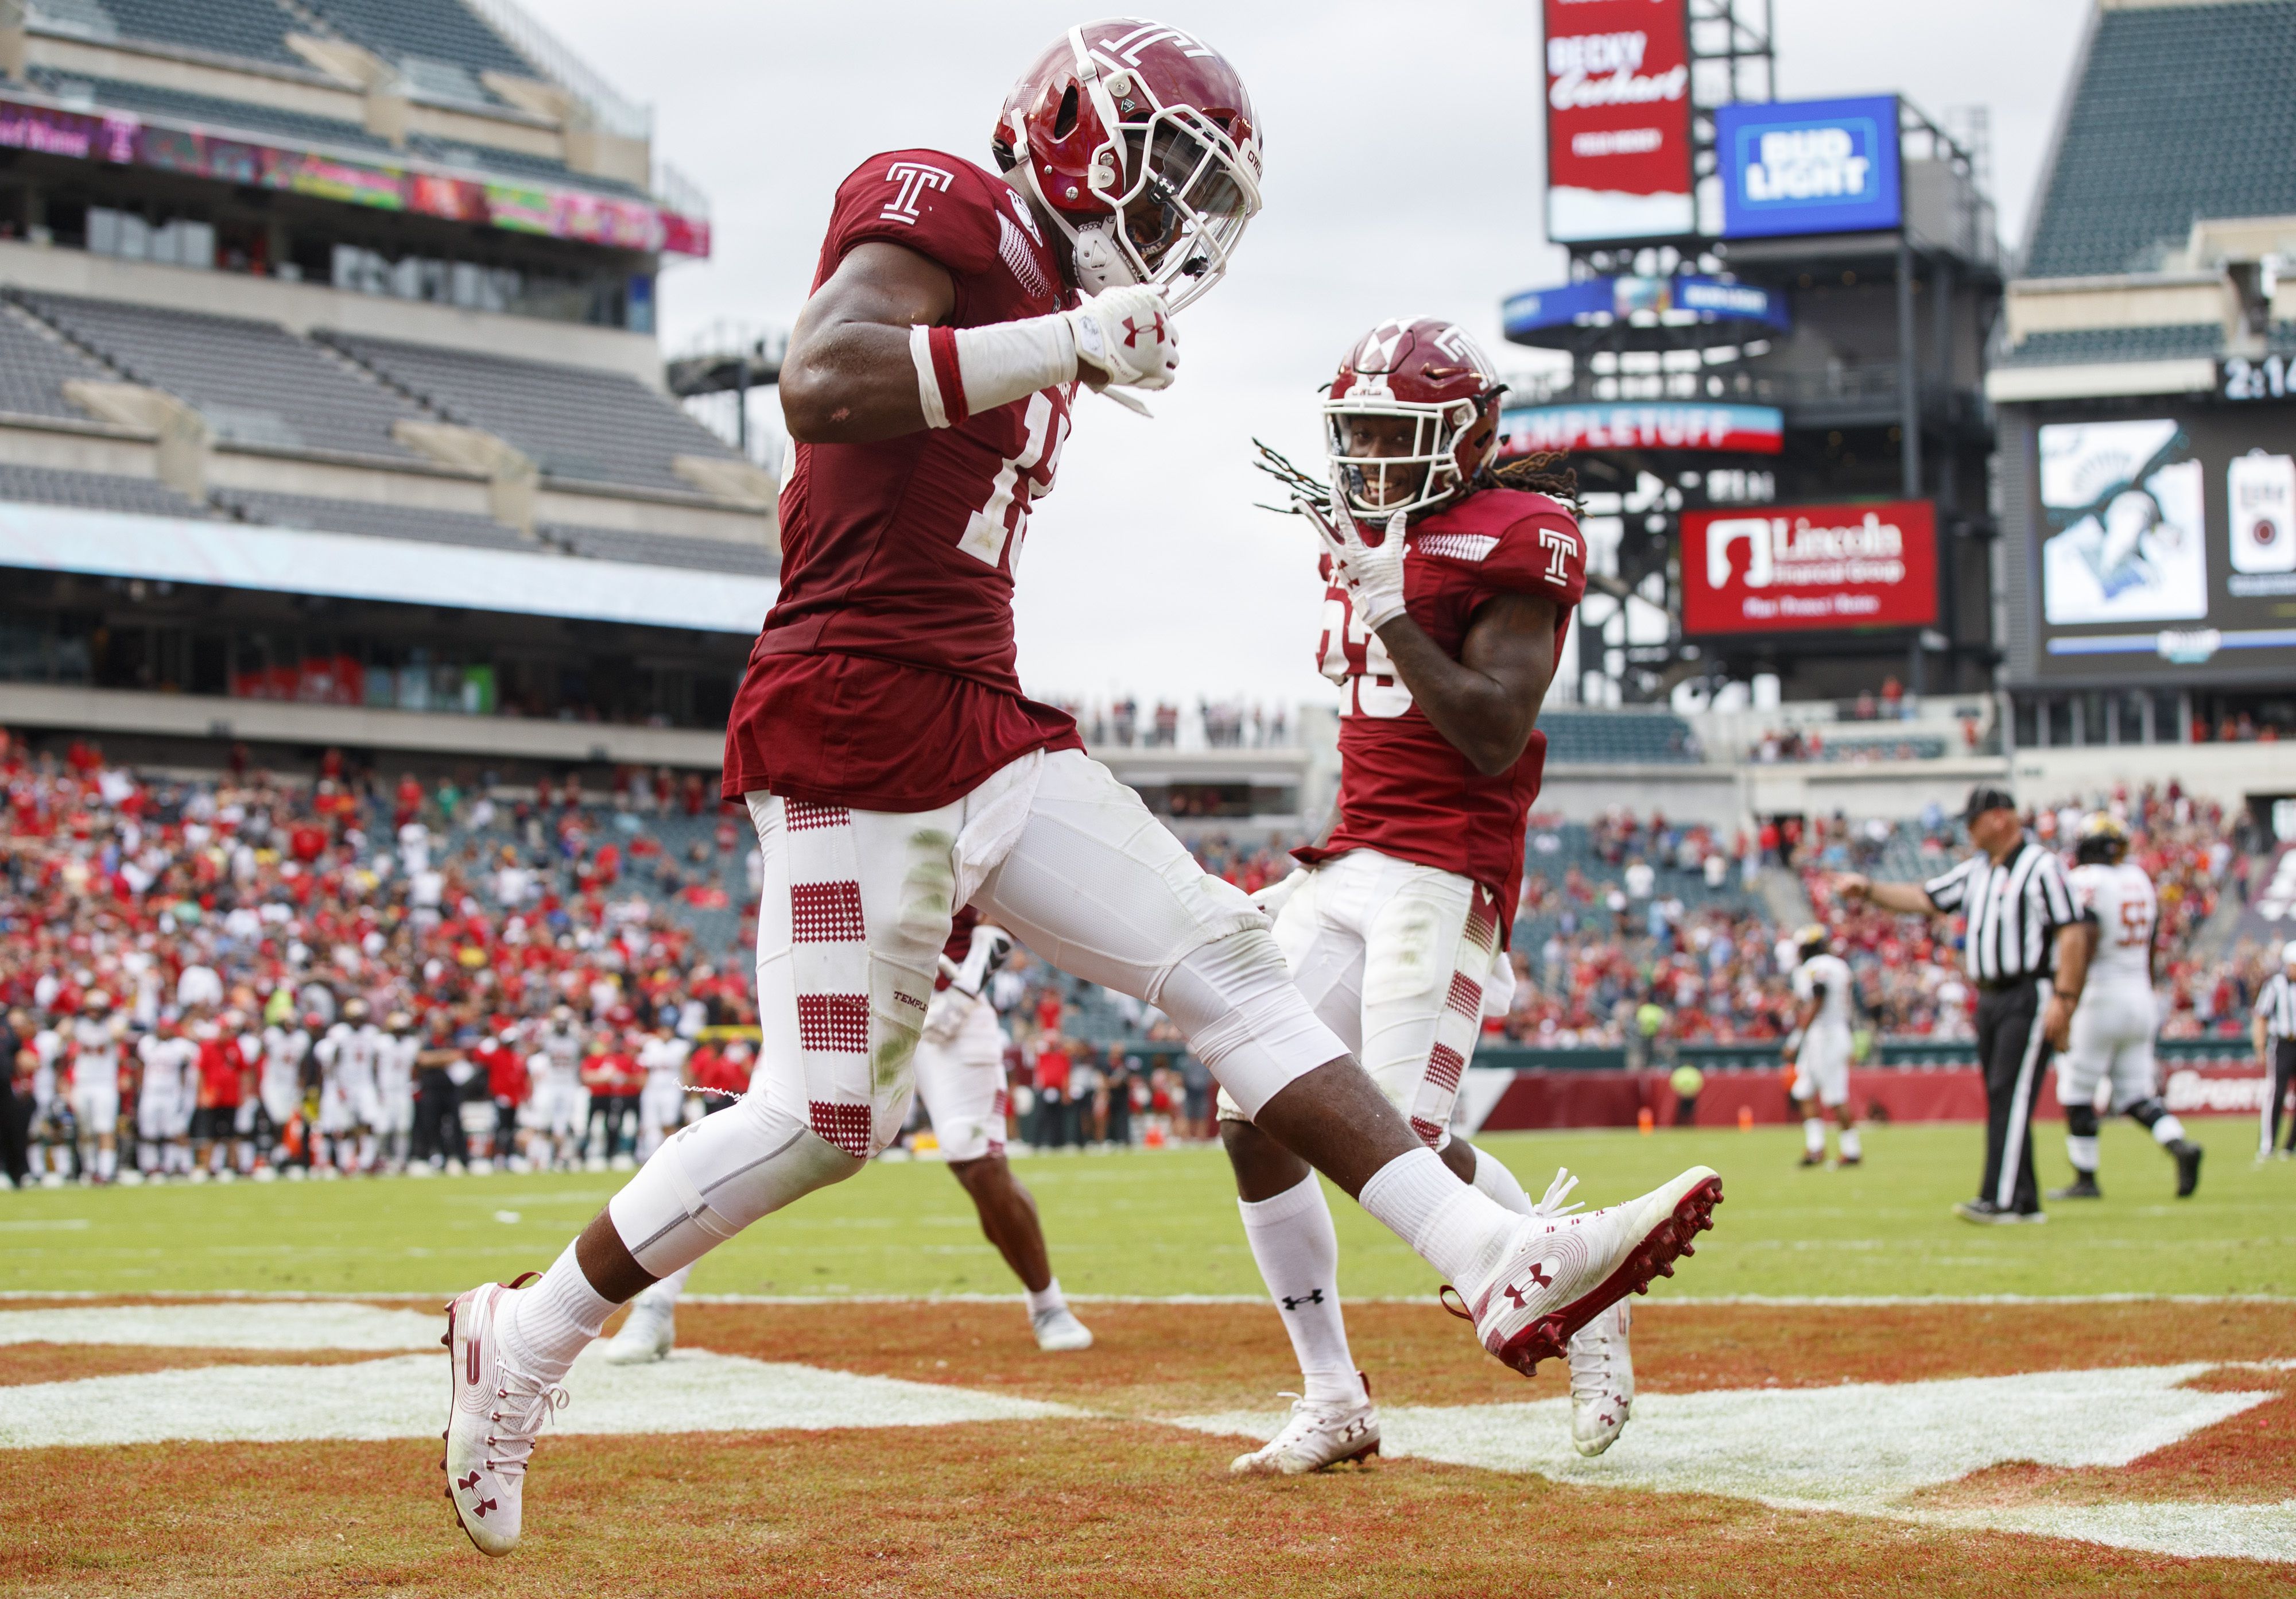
(2276, 1094)
(2011, 1052)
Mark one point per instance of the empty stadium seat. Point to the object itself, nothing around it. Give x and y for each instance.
(93, 491)
(255, 381)
(575, 422)
(34, 368)
(1612, 737)
(256, 30)
(430, 30)
(364, 517)
(664, 549)
(246, 115)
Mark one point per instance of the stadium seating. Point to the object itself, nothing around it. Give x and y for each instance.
(366, 517)
(664, 549)
(255, 381)
(92, 491)
(245, 115)
(1598, 736)
(35, 367)
(2174, 341)
(256, 30)
(576, 422)
(427, 30)
(516, 163)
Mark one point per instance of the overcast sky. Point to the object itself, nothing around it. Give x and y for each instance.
(1404, 148)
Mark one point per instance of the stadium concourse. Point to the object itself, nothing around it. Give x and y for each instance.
(247, 913)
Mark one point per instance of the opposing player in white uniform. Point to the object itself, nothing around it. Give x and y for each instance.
(98, 1038)
(54, 1142)
(562, 1105)
(1443, 640)
(351, 1110)
(1819, 1048)
(2115, 1019)
(394, 1087)
(662, 1102)
(279, 1091)
(960, 1068)
(170, 1082)
(896, 772)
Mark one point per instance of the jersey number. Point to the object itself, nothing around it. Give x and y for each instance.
(1002, 523)
(2136, 924)
(1354, 657)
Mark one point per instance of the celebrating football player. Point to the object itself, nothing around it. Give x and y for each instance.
(894, 772)
(1450, 589)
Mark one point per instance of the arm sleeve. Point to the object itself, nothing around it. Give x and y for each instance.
(921, 200)
(1542, 554)
(1947, 890)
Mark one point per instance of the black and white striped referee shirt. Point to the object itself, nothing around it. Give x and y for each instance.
(2012, 911)
(2277, 1005)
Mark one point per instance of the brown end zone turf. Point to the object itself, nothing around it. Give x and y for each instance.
(1053, 1508)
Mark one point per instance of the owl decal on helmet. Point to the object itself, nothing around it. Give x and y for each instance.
(1412, 418)
(1140, 142)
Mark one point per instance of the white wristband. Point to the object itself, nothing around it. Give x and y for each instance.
(993, 365)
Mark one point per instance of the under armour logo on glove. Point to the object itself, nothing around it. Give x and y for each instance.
(1133, 330)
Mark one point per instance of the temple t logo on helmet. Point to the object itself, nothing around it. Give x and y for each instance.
(1140, 142)
(1412, 418)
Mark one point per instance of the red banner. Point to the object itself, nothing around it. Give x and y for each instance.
(1618, 120)
(1794, 569)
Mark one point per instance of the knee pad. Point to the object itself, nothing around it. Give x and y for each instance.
(717, 1176)
(1247, 1022)
(2080, 1121)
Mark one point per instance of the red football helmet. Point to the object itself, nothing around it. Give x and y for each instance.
(1139, 140)
(1412, 418)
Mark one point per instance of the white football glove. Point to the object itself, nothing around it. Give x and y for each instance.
(1271, 897)
(1373, 577)
(1125, 337)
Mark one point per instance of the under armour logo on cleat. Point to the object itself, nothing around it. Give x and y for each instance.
(1537, 1277)
(481, 1507)
(1313, 1297)
(467, 1483)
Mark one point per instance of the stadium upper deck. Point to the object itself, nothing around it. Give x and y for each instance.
(330, 408)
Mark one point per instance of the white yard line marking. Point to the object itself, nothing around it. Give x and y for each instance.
(1671, 1301)
(1859, 1447)
(692, 1392)
(315, 1324)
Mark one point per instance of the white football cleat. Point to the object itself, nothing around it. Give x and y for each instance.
(1564, 1271)
(1313, 1436)
(649, 1334)
(492, 1423)
(1602, 1380)
(1058, 1330)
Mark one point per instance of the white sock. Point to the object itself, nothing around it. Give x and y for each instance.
(545, 1326)
(1459, 1230)
(1813, 1134)
(1298, 1250)
(2082, 1152)
(1852, 1150)
(2168, 1130)
(1498, 1182)
(107, 1164)
(1048, 1298)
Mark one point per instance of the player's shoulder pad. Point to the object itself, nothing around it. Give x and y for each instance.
(939, 205)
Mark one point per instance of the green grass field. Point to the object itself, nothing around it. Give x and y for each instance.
(1164, 1223)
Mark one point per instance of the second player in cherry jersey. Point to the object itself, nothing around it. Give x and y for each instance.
(894, 773)
(1448, 594)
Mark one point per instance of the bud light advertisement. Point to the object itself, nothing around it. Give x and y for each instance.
(1808, 167)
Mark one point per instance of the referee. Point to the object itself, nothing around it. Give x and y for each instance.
(2275, 1049)
(2013, 898)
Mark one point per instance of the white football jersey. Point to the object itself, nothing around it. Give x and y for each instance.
(283, 1049)
(393, 1062)
(346, 1053)
(1831, 974)
(561, 1050)
(2119, 900)
(96, 1052)
(664, 1059)
(167, 1065)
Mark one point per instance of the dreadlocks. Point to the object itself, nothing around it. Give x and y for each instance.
(1541, 473)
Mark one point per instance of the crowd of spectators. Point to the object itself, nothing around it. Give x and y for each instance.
(1223, 724)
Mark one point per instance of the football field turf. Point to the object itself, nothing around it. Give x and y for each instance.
(858, 1437)
(1164, 1223)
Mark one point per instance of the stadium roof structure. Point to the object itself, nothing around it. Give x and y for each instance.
(2168, 208)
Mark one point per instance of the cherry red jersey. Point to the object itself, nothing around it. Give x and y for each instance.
(884, 677)
(1405, 790)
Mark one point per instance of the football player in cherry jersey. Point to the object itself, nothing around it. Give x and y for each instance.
(960, 1079)
(1449, 591)
(894, 772)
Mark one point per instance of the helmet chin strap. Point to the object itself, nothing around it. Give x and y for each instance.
(1099, 264)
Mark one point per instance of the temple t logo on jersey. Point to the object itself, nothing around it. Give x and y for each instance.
(915, 177)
